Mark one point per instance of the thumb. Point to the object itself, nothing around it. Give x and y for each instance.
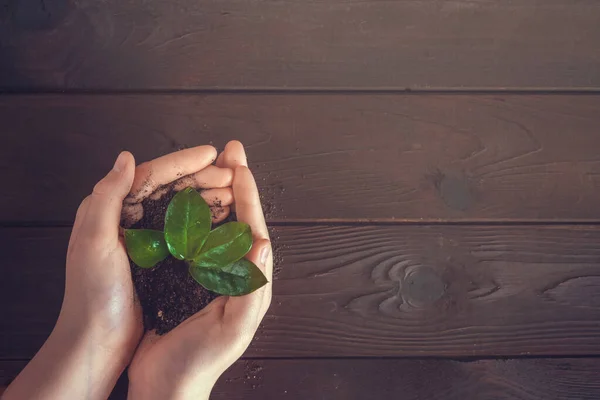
(259, 253)
(247, 311)
(106, 202)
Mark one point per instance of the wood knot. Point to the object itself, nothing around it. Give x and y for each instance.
(455, 191)
(421, 287)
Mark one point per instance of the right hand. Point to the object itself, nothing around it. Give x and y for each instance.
(186, 362)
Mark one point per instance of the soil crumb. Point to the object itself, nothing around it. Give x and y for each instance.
(277, 247)
(167, 292)
(269, 191)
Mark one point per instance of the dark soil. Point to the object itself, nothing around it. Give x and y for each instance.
(167, 292)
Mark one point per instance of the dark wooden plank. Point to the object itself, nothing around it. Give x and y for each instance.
(356, 379)
(328, 43)
(412, 379)
(375, 291)
(402, 157)
(9, 370)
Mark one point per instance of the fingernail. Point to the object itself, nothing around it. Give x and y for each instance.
(120, 163)
(264, 254)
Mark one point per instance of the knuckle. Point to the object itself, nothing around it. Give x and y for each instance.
(226, 176)
(100, 188)
(82, 206)
(106, 186)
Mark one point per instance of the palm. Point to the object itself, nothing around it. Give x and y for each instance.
(98, 271)
(200, 339)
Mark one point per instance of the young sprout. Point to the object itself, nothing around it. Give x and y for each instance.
(215, 258)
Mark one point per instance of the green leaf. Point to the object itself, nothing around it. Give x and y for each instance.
(187, 223)
(146, 247)
(225, 245)
(237, 279)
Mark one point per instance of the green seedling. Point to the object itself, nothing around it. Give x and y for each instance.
(215, 258)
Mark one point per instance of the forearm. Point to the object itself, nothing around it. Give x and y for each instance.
(70, 365)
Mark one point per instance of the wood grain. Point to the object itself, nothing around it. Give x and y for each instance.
(392, 157)
(443, 291)
(356, 379)
(412, 379)
(186, 44)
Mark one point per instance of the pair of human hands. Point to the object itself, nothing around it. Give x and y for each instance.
(100, 325)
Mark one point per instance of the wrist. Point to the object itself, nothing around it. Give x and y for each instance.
(150, 389)
(71, 364)
(101, 358)
(97, 349)
(120, 342)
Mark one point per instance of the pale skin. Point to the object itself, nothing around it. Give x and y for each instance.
(99, 330)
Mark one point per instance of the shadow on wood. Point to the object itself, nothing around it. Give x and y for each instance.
(187, 44)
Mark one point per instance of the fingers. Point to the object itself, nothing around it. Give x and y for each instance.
(219, 214)
(131, 214)
(218, 197)
(219, 200)
(247, 202)
(103, 209)
(166, 169)
(220, 160)
(233, 156)
(209, 178)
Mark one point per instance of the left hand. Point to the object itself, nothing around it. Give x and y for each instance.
(100, 322)
(99, 293)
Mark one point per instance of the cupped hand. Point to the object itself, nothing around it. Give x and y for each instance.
(186, 362)
(100, 323)
(99, 294)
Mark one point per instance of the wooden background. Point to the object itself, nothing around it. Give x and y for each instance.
(430, 170)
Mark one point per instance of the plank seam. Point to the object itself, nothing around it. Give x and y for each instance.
(466, 359)
(302, 91)
(341, 222)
